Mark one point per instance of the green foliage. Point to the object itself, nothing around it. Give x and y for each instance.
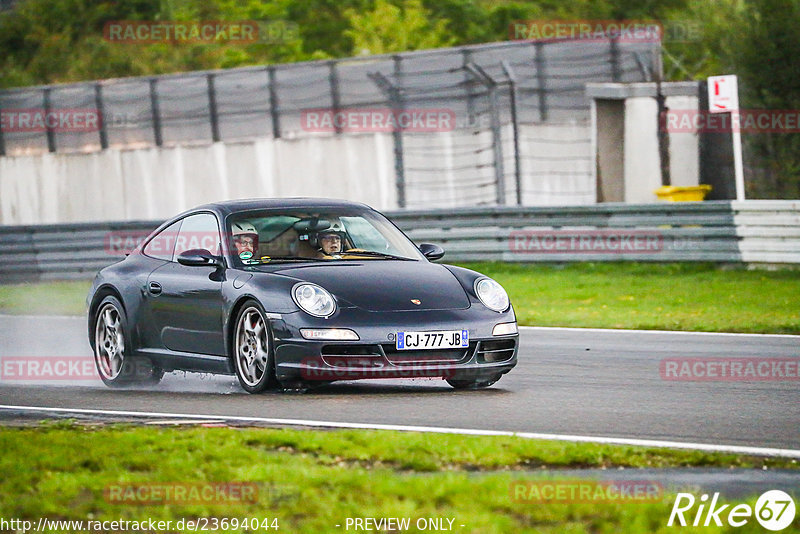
(390, 28)
(51, 41)
(767, 67)
(46, 41)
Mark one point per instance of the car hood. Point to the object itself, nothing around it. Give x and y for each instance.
(381, 285)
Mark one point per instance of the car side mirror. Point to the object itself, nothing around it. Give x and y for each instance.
(432, 252)
(199, 257)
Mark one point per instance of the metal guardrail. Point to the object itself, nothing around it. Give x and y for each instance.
(723, 231)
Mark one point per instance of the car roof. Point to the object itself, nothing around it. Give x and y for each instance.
(227, 207)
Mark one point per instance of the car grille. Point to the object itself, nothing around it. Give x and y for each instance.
(496, 351)
(352, 355)
(411, 357)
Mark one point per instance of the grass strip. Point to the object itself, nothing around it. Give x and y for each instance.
(674, 296)
(313, 480)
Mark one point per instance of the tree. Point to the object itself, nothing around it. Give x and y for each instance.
(389, 28)
(766, 62)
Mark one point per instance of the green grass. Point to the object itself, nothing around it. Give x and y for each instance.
(698, 297)
(313, 480)
(681, 296)
(45, 298)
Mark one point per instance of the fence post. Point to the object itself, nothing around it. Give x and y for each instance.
(333, 80)
(399, 159)
(2, 141)
(156, 113)
(497, 134)
(212, 108)
(273, 103)
(616, 74)
(51, 135)
(98, 103)
(541, 91)
(512, 84)
(396, 102)
(470, 118)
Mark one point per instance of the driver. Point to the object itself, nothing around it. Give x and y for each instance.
(245, 238)
(330, 242)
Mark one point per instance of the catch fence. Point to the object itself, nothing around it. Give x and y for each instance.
(520, 131)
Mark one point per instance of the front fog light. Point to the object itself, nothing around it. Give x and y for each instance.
(330, 334)
(505, 329)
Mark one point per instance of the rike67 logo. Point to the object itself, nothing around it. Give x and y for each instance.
(774, 510)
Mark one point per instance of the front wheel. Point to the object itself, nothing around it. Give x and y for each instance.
(253, 350)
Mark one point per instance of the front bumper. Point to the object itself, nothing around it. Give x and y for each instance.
(374, 355)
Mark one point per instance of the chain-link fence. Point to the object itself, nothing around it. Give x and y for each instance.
(520, 117)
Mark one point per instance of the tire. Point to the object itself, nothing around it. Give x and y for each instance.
(253, 349)
(479, 383)
(112, 351)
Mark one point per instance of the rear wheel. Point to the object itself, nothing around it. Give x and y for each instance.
(111, 351)
(479, 383)
(253, 350)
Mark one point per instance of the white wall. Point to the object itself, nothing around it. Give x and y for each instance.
(156, 183)
(684, 147)
(642, 162)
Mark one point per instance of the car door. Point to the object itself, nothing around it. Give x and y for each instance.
(186, 301)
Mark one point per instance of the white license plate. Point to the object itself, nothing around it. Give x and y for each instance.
(442, 339)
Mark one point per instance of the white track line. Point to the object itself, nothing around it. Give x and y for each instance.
(736, 449)
(680, 332)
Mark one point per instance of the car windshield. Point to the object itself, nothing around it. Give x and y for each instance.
(274, 236)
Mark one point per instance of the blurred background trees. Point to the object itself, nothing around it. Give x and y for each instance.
(54, 41)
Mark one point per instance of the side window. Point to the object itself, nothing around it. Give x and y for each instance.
(163, 244)
(198, 231)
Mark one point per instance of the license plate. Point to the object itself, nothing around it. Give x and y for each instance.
(442, 339)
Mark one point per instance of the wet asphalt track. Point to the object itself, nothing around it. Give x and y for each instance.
(587, 383)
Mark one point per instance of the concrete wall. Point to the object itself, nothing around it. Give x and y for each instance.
(609, 116)
(556, 162)
(642, 162)
(155, 183)
(684, 147)
(640, 173)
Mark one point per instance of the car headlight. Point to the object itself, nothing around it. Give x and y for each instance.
(491, 294)
(314, 300)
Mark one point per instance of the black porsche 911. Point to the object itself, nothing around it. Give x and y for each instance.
(293, 293)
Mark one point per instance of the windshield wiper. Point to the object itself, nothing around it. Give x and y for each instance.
(282, 259)
(374, 254)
